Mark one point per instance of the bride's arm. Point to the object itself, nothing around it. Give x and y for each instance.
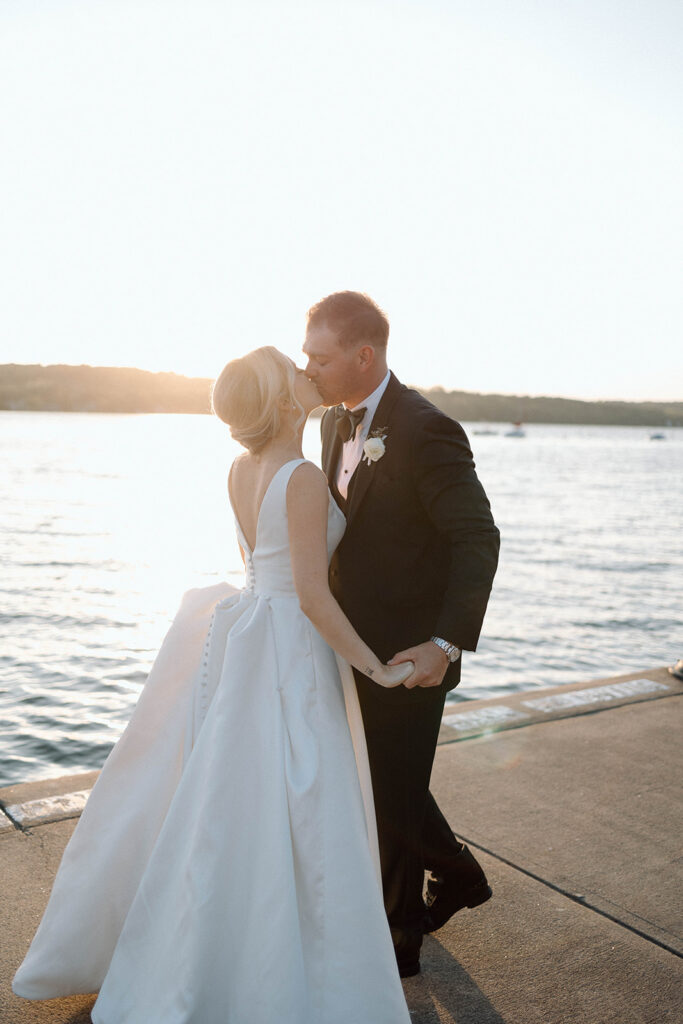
(307, 504)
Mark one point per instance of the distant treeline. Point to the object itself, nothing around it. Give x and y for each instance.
(116, 389)
(100, 389)
(470, 406)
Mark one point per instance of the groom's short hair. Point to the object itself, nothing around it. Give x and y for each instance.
(353, 316)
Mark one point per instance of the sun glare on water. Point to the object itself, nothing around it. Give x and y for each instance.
(170, 511)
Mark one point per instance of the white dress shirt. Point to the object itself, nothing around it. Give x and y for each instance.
(353, 449)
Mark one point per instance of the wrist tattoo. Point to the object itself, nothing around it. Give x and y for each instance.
(369, 671)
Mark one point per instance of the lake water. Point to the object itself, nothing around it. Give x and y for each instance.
(107, 519)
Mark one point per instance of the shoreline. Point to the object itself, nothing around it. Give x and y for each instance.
(66, 388)
(24, 805)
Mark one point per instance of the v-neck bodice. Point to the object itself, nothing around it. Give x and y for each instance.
(268, 566)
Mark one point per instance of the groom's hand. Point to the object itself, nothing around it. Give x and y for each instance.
(430, 664)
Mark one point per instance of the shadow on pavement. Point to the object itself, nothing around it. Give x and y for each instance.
(445, 992)
(82, 1016)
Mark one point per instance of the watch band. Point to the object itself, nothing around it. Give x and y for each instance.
(450, 650)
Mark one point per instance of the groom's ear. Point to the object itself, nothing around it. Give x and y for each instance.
(366, 357)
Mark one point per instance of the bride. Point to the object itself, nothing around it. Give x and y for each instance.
(225, 869)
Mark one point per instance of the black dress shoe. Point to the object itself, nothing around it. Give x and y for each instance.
(407, 968)
(407, 943)
(464, 886)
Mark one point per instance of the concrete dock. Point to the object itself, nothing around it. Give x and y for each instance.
(571, 799)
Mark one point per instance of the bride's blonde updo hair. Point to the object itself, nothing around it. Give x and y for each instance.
(247, 393)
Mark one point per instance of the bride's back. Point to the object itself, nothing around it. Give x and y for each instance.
(248, 482)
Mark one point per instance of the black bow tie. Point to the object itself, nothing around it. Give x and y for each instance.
(348, 421)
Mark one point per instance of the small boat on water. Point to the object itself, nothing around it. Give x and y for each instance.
(486, 432)
(517, 430)
(658, 437)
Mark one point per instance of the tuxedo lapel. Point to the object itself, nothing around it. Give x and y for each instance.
(364, 474)
(332, 445)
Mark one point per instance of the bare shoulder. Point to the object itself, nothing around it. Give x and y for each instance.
(307, 485)
(308, 478)
(237, 467)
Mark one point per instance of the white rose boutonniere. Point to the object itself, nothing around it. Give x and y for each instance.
(374, 448)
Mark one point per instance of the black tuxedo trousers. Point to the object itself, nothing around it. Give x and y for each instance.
(413, 833)
(417, 559)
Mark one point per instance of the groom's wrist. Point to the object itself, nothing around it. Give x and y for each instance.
(452, 651)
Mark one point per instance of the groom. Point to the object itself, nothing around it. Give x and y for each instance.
(413, 574)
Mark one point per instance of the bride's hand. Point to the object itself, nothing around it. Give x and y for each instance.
(394, 675)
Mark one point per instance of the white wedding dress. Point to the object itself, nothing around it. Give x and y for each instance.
(225, 869)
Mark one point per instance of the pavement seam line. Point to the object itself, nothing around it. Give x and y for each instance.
(580, 901)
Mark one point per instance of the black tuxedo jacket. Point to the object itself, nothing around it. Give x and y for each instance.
(420, 549)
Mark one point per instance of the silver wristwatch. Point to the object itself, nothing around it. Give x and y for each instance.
(450, 650)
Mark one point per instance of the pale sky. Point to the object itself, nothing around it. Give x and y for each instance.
(181, 181)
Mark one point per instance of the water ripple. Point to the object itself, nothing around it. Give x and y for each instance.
(96, 553)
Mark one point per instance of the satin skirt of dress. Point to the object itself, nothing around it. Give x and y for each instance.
(225, 868)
